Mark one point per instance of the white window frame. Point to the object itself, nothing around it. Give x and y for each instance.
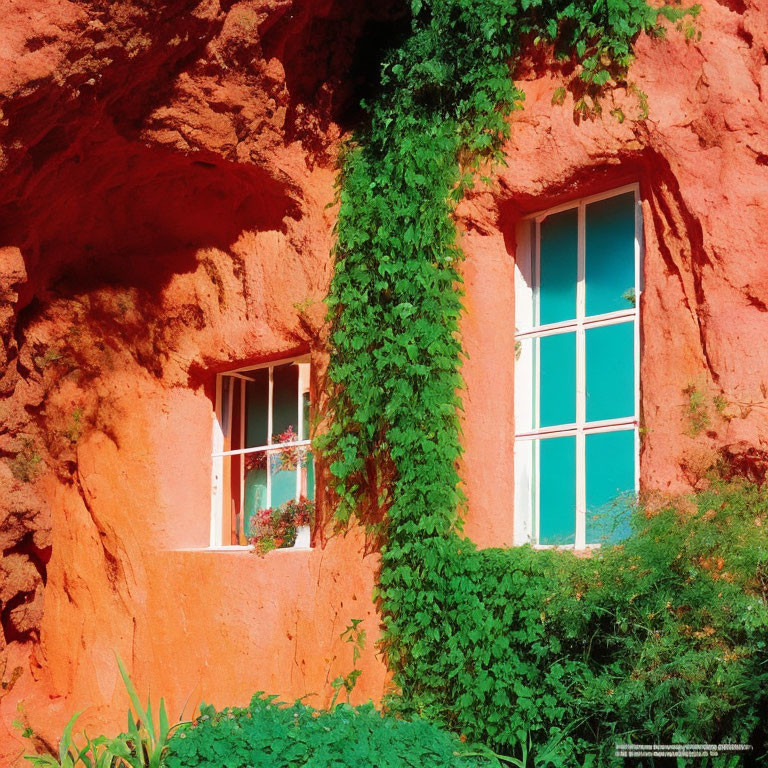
(527, 438)
(219, 436)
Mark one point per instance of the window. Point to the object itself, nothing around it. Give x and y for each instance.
(576, 372)
(261, 455)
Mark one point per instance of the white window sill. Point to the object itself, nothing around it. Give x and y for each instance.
(239, 548)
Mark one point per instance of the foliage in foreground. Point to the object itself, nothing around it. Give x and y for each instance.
(143, 745)
(269, 735)
(661, 639)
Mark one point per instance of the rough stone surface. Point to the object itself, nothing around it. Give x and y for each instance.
(701, 159)
(167, 171)
(166, 175)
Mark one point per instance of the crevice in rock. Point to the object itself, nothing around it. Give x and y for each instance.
(39, 557)
(689, 235)
(736, 6)
(757, 302)
(113, 567)
(11, 632)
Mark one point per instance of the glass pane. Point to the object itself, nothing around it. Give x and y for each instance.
(283, 466)
(306, 424)
(256, 405)
(255, 487)
(610, 484)
(609, 267)
(226, 412)
(557, 379)
(285, 403)
(245, 492)
(558, 267)
(309, 470)
(610, 361)
(557, 490)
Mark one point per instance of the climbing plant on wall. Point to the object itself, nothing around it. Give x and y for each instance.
(465, 631)
(395, 299)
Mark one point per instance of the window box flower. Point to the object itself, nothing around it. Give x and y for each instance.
(285, 527)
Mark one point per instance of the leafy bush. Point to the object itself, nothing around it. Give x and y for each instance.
(268, 735)
(663, 638)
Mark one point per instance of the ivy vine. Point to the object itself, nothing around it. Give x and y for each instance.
(440, 115)
(395, 299)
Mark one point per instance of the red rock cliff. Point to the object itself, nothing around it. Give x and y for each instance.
(167, 170)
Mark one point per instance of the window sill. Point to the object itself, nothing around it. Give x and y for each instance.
(239, 548)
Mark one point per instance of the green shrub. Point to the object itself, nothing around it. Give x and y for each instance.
(268, 735)
(660, 639)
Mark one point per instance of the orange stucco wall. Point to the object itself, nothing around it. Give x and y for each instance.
(153, 263)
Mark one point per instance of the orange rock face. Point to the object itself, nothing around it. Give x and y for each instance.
(164, 216)
(701, 159)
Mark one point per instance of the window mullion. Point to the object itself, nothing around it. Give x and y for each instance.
(299, 428)
(269, 434)
(536, 274)
(241, 462)
(217, 469)
(581, 396)
(638, 293)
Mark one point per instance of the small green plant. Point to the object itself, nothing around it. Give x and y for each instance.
(144, 745)
(721, 406)
(696, 411)
(74, 429)
(51, 355)
(354, 634)
(629, 295)
(100, 752)
(27, 463)
(642, 101)
(302, 307)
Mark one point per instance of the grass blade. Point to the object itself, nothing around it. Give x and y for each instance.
(137, 708)
(164, 727)
(66, 737)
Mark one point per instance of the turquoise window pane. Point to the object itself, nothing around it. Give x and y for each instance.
(255, 495)
(310, 476)
(609, 268)
(256, 406)
(558, 267)
(610, 485)
(283, 479)
(285, 389)
(557, 379)
(557, 490)
(610, 370)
